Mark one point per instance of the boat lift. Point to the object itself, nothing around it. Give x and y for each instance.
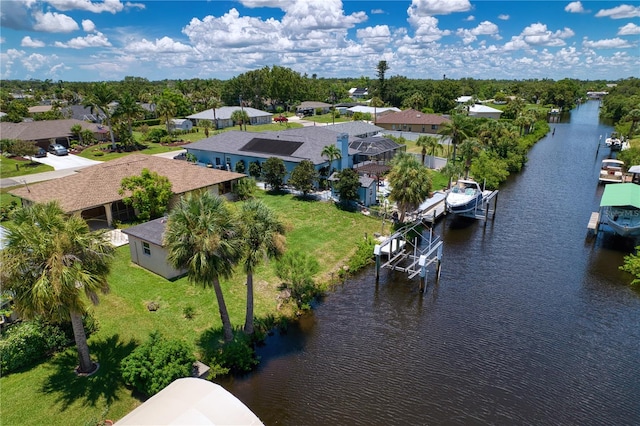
(405, 251)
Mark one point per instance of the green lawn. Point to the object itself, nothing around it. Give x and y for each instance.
(326, 118)
(8, 167)
(49, 393)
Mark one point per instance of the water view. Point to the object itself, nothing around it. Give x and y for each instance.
(531, 323)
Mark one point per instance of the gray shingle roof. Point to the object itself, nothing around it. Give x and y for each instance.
(411, 116)
(38, 130)
(313, 139)
(355, 128)
(224, 113)
(152, 231)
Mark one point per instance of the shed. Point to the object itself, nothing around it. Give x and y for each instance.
(180, 124)
(147, 248)
(483, 111)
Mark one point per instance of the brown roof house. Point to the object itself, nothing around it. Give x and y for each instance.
(411, 120)
(146, 246)
(94, 191)
(42, 132)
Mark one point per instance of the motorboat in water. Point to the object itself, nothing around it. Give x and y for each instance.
(620, 208)
(614, 141)
(465, 196)
(611, 171)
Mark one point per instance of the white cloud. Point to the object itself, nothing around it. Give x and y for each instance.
(426, 29)
(110, 6)
(612, 43)
(437, 7)
(378, 12)
(52, 22)
(307, 15)
(623, 11)
(163, 45)
(88, 26)
(470, 18)
(34, 61)
(574, 7)
(280, 4)
(516, 43)
(538, 34)
(503, 17)
(29, 42)
(2, 40)
(629, 29)
(376, 38)
(92, 40)
(484, 28)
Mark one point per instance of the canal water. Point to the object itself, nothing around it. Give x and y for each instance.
(529, 324)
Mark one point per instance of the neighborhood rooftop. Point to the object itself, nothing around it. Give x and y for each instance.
(100, 184)
(295, 145)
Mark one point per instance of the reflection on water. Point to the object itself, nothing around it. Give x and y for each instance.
(530, 323)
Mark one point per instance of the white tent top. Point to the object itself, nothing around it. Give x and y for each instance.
(634, 169)
(191, 401)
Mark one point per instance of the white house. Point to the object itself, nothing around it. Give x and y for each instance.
(481, 111)
(222, 116)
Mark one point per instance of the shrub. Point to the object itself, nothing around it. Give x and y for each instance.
(189, 312)
(236, 356)
(166, 139)
(363, 255)
(296, 270)
(155, 135)
(27, 342)
(156, 363)
(245, 188)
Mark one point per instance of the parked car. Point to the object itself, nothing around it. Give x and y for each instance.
(57, 149)
(41, 153)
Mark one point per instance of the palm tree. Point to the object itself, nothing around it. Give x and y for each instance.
(331, 152)
(76, 130)
(204, 237)
(240, 117)
(129, 110)
(376, 102)
(215, 103)
(263, 238)
(428, 143)
(469, 148)
(458, 129)
(167, 110)
(634, 117)
(49, 261)
(410, 183)
(99, 100)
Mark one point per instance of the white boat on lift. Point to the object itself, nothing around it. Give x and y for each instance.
(614, 141)
(465, 196)
(611, 171)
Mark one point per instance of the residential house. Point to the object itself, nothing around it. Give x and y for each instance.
(311, 107)
(411, 120)
(483, 111)
(367, 193)
(463, 99)
(228, 149)
(180, 124)
(358, 93)
(223, 116)
(375, 112)
(94, 191)
(147, 248)
(45, 132)
(358, 129)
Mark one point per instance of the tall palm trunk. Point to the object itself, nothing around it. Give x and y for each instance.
(248, 321)
(224, 313)
(113, 139)
(86, 365)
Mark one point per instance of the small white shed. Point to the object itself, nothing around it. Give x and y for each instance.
(180, 124)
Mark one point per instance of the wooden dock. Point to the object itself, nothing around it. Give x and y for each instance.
(593, 227)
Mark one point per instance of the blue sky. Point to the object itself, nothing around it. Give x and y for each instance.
(84, 40)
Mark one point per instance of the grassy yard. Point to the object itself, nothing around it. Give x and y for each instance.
(8, 167)
(49, 393)
(326, 118)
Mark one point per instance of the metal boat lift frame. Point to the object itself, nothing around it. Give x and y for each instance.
(409, 256)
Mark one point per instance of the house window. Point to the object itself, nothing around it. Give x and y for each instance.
(146, 249)
(434, 127)
(393, 127)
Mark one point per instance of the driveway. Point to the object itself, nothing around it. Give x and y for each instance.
(66, 161)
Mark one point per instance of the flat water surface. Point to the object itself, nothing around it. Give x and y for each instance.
(529, 324)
